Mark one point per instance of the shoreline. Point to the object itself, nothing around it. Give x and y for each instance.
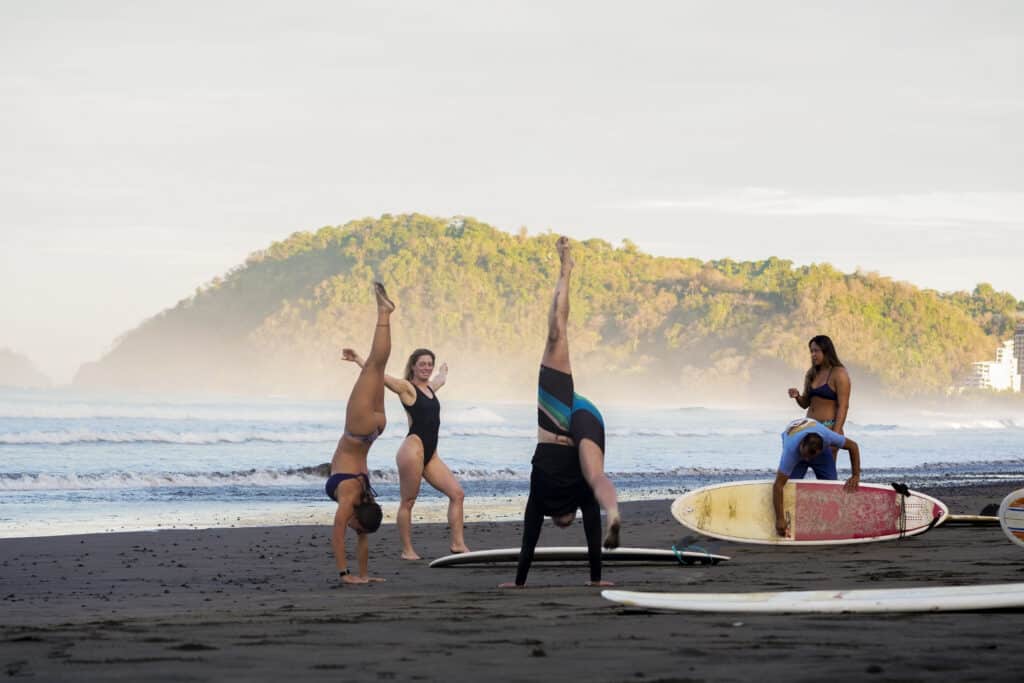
(264, 603)
(429, 509)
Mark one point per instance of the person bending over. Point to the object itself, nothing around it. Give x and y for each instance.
(806, 443)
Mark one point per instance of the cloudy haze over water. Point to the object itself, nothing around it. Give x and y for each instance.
(148, 147)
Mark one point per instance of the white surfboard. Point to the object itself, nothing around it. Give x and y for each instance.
(932, 599)
(1011, 516)
(575, 553)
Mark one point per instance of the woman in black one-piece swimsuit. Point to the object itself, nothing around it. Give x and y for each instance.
(417, 457)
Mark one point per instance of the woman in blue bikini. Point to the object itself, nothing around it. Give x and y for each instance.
(349, 483)
(826, 394)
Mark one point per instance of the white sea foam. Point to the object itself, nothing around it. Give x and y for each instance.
(77, 410)
(169, 436)
(471, 415)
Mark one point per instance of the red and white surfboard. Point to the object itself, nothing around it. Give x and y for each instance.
(818, 512)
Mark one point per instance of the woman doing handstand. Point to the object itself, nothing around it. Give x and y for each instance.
(349, 483)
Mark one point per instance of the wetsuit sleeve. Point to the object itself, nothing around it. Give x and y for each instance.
(592, 528)
(533, 520)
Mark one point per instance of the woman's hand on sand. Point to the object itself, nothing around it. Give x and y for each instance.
(600, 584)
(794, 392)
(511, 584)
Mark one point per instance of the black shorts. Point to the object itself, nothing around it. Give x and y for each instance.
(557, 485)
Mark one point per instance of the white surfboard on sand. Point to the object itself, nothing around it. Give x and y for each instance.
(932, 599)
(818, 512)
(575, 553)
(1011, 516)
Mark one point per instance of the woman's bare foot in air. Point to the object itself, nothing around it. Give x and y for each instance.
(565, 255)
(459, 549)
(383, 302)
(410, 554)
(611, 537)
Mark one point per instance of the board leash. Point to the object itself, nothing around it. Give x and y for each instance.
(904, 492)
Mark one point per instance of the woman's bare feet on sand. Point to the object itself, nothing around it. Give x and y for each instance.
(383, 302)
(511, 584)
(411, 555)
(458, 549)
(600, 584)
(355, 579)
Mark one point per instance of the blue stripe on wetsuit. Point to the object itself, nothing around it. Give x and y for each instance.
(554, 409)
(582, 403)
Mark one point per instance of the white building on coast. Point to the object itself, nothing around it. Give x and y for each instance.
(1004, 373)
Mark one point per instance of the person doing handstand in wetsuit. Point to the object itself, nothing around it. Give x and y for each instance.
(417, 457)
(568, 462)
(365, 419)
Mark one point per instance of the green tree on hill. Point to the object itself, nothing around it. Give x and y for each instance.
(479, 296)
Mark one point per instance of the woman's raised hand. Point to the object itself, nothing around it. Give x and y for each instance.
(351, 356)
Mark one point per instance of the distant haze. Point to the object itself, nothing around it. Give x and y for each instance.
(149, 147)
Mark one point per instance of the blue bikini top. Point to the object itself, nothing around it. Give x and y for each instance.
(824, 391)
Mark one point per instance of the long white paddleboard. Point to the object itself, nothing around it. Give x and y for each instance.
(1011, 516)
(934, 599)
(818, 512)
(574, 553)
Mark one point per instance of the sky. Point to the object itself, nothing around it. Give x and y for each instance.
(147, 147)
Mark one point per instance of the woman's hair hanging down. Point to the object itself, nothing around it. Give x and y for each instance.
(415, 357)
(369, 515)
(824, 343)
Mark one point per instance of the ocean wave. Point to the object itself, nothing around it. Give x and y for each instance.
(472, 415)
(314, 475)
(299, 476)
(163, 436)
(142, 480)
(160, 411)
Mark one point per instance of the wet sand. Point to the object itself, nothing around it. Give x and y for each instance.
(264, 604)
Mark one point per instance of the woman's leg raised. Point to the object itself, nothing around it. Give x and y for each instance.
(365, 412)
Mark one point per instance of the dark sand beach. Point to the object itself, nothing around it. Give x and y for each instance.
(265, 604)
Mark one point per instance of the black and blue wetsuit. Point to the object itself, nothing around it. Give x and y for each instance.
(557, 486)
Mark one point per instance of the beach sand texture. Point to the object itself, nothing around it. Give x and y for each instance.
(264, 604)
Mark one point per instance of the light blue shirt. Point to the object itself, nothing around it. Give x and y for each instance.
(795, 433)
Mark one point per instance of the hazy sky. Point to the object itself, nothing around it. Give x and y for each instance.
(146, 147)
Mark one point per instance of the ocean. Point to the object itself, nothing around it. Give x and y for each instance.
(72, 462)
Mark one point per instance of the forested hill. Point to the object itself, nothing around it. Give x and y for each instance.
(640, 324)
